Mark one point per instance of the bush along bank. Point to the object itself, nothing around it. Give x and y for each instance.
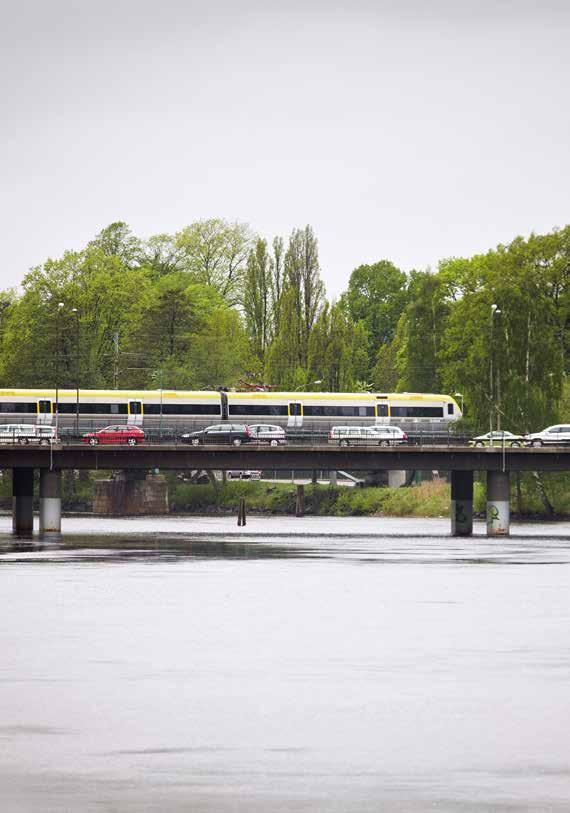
(428, 499)
(547, 497)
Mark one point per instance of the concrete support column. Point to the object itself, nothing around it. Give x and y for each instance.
(333, 479)
(22, 501)
(461, 503)
(50, 501)
(498, 506)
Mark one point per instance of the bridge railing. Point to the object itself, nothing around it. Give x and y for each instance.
(294, 436)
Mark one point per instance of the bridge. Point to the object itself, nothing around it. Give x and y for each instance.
(461, 461)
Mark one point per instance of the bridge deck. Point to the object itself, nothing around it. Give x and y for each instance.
(300, 457)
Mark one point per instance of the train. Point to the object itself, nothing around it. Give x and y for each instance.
(175, 410)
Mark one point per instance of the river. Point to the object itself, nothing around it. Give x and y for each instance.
(185, 664)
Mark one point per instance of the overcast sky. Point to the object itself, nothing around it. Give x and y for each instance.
(403, 130)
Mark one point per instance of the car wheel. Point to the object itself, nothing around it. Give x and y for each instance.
(384, 443)
(132, 441)
(537, 442)
(515, 444)
(195, 441)
(44, 442)
(273, 442)
(23, 441)
(479, 444)
(343, 443)
(236, 441)
(93, 441)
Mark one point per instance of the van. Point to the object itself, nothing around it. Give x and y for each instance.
(24, 433)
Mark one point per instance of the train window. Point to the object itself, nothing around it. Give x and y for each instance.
(18, 407)
(450, 409)
(337, 411)
(44, 407)
(182, 409)
(135, 407)
(295, 409)
(66, 409)
(94, 409)
(382, 410)
(416, 412)
(268, 410)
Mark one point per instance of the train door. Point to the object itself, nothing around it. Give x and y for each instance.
(135, 413)
(382, 412)
(295, 413)
(44, 411)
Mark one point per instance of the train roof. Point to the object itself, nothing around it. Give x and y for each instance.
(38, 393)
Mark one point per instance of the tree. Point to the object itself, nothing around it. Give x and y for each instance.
(216, 252)
(163, 255)
(277, 278)
(257, 293)
(304, 281)
(117, 240)
(220, 352)
(337, 354)
(284, 367)
(376, 296)
(163, 325)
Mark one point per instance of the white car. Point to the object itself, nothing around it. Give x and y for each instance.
(498, 438)
(247, 474)
(24, 433)
(268, 433)
(364, 435)
(557, 435)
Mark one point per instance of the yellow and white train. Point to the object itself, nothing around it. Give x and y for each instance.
(178, 408)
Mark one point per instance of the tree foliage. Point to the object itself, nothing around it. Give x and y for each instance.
(215, 305)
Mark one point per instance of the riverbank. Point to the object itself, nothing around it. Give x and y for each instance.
(427, 499)
(545, 500)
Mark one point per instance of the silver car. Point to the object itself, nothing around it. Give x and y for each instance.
(557, 435)
(268, 433)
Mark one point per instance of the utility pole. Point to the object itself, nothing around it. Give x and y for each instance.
(494, 310)
(116, 360)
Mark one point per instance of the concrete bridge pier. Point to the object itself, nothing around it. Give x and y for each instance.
(461, 503)
(22, 501)
(50, 501)
(498, 505)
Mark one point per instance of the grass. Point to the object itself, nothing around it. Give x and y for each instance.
(430, 499)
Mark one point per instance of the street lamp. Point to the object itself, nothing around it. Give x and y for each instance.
(76, 312)
(495, 310)
(60, 305)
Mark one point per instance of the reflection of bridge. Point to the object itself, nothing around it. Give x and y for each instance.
(461, 461)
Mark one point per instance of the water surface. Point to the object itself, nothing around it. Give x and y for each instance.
(293, 665)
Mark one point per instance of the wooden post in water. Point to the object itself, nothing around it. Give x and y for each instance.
(300, 504)
(241, 512)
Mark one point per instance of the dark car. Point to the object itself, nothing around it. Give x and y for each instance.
(234, 433)
(131, 435)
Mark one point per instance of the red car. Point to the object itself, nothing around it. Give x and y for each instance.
(130, 435)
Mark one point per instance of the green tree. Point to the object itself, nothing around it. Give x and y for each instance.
(376, 296)
(303, 280)
(216, 253)
(257, 294)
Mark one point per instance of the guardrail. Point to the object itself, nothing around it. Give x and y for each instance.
(297, 438)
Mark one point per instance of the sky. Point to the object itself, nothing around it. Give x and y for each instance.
(398, 129)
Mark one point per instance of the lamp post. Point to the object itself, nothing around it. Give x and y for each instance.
(60, 305)
(494, 310)
(76, 312)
